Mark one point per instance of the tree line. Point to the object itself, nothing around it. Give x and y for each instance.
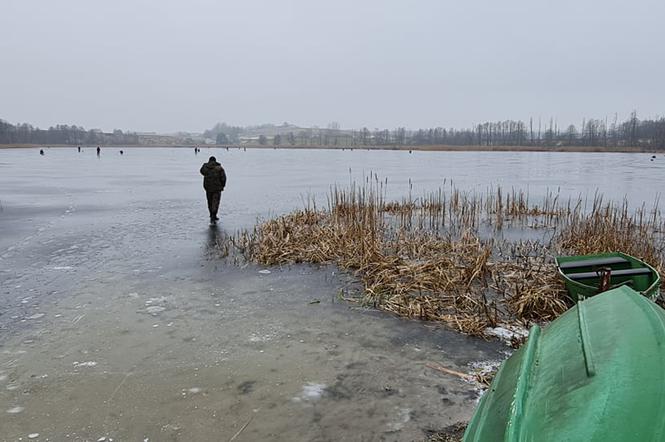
(633, 132)
(62, 134)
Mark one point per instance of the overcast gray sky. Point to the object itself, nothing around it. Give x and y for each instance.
(183, 65)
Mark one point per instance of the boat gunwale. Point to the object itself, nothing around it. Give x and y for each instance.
(513, 431)
(646, 292)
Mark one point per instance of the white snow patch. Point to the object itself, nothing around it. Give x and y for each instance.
(195, 390)
(154, 309)
(254, 337)
(482, 368)
(312, 391)
(15, 410)
(36, 316)
(160, 300)
(63, 268)
(33, 435)
(485, 367)
(264, 272)
(85, 364)
(506, 332)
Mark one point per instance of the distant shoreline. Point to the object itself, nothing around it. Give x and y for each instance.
(428, 148)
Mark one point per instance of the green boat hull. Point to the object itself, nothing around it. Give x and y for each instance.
(648, 283)
(597, 373)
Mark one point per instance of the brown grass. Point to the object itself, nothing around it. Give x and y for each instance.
(425, 258)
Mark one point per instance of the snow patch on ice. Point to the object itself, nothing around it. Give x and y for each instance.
(507, 332)
(160, 300)
(482, 369)
(310, 392)
(255, 337)
(85, 364)
(154, 309)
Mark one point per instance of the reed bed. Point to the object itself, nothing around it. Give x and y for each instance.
(441, 257)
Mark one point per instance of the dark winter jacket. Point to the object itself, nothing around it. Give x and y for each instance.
(214, 177)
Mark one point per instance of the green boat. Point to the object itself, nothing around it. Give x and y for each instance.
(594, 374)
(583, 275)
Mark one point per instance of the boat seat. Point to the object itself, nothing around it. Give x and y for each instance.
(628, 272)
(593, 262)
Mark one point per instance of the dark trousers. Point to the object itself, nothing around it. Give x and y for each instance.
(213, 202)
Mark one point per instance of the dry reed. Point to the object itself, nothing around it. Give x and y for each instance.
(426, 258)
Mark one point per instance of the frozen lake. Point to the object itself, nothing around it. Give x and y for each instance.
(267, 181)
(116, 321)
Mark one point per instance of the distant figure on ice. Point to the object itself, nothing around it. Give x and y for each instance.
(98, 150)
(214, 181)
(41, 151)
(79, 148)
(196, 150)
(121, 152)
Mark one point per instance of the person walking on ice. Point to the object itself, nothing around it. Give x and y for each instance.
(214, 181)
